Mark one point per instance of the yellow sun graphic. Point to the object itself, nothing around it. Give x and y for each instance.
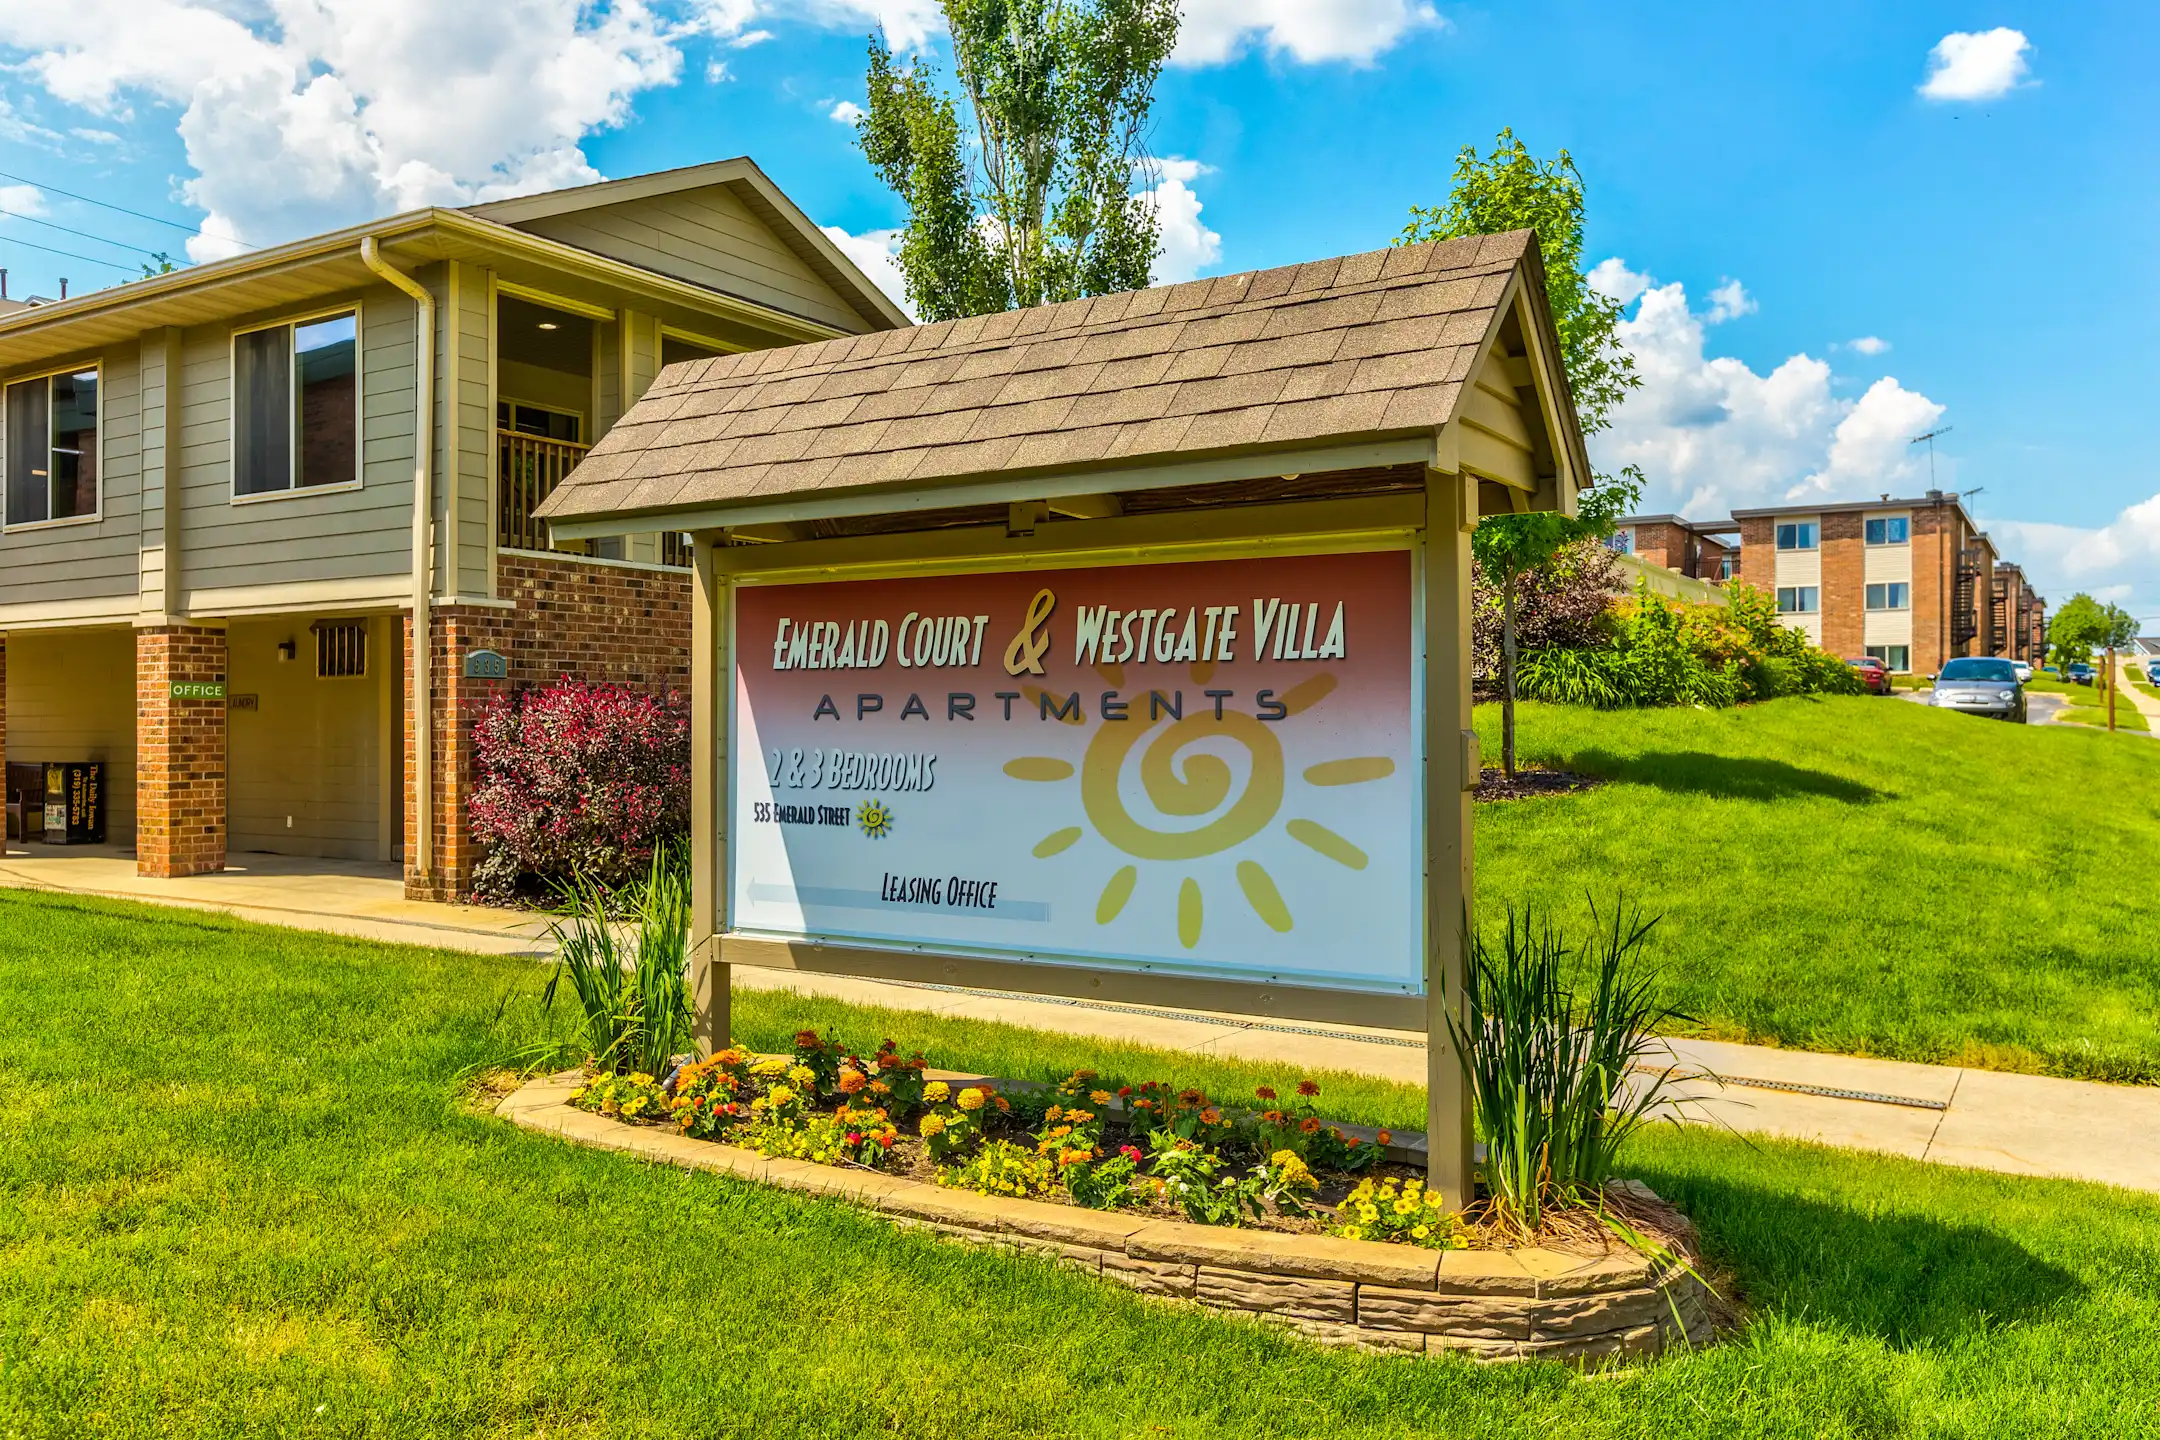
(1201, 785)
(876, 819)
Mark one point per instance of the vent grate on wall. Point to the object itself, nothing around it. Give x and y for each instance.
(340, 649)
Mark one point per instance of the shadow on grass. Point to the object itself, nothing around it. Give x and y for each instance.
(1906, 1280)
(1739, 777)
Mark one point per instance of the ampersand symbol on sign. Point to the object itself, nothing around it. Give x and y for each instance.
(1024, 656)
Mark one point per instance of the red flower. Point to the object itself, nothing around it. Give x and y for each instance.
(854, 1137)
(807, 1040)
(1385, 1138)
(1124, 1092)
(1310, 1126)
(1130, 1152)
(1190, 1097)
(1307, 1089)
(1265, 1092)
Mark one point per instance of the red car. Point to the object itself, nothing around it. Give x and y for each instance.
(1873, 674)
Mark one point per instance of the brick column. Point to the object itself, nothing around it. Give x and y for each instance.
(457, 703)
(179, 752)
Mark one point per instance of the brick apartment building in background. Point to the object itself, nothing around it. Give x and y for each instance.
(1909, 582)
(1698, 549)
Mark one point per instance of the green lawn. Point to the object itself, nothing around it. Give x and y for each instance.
(239, 1197)
(1861, 874)
(2088, 704)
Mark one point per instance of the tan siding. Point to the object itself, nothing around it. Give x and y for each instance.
(335, 535)
(311, 749)
(708, 238)
(96, 559)
(71, 696)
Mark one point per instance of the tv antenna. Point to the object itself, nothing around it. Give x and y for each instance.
(1930, 439)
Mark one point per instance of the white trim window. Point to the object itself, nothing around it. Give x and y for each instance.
(1890, 595)
(1799, 535)
(52, 448)
(1895, 658)
(1888, 530)
(1798, 599)
(296, 406)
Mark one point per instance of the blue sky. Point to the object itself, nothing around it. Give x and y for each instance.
(1972, 251)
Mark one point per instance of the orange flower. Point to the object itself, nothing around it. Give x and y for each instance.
(1309, 1125)
(851, 1081)
(1265, 1092)
(1211, 1116)
(1307, 1089)
(1385, 1138)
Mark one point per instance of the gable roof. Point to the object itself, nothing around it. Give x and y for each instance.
(1336, 351)
(742, 178)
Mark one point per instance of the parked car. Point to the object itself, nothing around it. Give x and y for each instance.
(2024, 670)
(1873, 674)
(2080, 674)
(1980, 686)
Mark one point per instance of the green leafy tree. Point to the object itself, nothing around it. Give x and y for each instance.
(1020, 186)
(1511, 189)
(1508, 547)
(2076, 630)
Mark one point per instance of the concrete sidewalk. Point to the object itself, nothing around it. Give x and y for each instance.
(2018, 1124)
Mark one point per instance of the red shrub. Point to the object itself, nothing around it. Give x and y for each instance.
(573, 779)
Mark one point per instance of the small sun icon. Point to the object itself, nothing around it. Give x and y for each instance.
(875, 819)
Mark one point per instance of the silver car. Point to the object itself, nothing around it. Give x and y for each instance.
(1978, 686)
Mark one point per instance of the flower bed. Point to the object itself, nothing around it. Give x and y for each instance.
(1263, 1208)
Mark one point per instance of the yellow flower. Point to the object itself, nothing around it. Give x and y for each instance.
(780, 1095)
(641, 1078)
(770, 1066)
(802, 1075)
(1100, 1097)
(1368, 1214)
(936, 1092)
(1420, 1231)
(1404, 1206)
(1351, 1232)
(971, 1099)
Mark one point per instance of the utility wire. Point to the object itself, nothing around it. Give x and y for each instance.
(101, 239)
(107, 204)
(70, 254)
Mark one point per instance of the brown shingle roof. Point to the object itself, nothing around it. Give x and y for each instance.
(1359, 347)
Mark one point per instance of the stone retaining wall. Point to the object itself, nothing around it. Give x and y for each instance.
(1488, 1304)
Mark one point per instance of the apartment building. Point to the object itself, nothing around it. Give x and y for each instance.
(1910, 582)
(1699, 549)
(235, 494)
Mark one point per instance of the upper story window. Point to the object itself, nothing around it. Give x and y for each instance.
(1799, 535)
(1889, 530)
(1896, 595)
(1621, 542)
(296, 406)
(52, 448)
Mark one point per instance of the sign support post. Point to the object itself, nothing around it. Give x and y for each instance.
(1451, 772)
(711, 681)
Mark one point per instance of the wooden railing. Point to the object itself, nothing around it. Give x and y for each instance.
(528, 468)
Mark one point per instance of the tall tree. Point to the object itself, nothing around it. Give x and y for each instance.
(1511, 189)
(1020, 186)
(2084, 625)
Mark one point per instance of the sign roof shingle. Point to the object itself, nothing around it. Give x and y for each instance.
(1357, 347)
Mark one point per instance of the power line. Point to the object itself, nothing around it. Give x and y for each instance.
(107, 204)
(101, 239)
(70, 254)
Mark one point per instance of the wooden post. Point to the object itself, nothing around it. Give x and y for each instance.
(711, 679)
(2110, 678)
(1451, 771)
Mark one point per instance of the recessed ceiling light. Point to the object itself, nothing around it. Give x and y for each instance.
(549, 325)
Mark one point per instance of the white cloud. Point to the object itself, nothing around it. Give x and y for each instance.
(846, 112)
(1213, 32)
(1869, 345)
(1310, 31)
(22, 199)
(327, 112)
(717, 72)
(2114, 562)
(749, 38)
(1982, 65)
(877, 254)
(1612, 278)
(1730, 301)
(1710, 433)
(1188, 246)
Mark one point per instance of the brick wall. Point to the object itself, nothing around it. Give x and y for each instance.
(1844, 584)
(1662, 543)
(179, 753)
(1758, 553)
(569, 618)
(1937, 535)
